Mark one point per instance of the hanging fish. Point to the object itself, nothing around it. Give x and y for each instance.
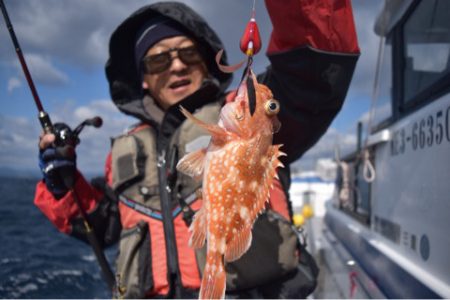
(237, 169)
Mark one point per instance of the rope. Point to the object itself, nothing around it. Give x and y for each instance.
(369, 173)
(344, 192)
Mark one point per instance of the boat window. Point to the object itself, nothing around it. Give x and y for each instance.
(352, 191)
(363, 193)
(427, 46)
(382, 106)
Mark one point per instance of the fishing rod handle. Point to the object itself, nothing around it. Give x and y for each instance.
(45, 121)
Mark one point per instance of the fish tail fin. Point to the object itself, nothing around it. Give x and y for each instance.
(214, 277)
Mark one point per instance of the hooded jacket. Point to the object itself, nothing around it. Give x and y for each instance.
(311, 68)
(121, 70)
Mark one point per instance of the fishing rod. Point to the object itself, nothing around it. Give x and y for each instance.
(43, 116)
(65, 142)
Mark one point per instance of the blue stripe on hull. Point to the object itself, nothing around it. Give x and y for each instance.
(390, 278)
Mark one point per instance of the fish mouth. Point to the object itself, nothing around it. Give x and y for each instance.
(247, 85)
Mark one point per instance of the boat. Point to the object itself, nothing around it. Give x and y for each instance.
(385, 231)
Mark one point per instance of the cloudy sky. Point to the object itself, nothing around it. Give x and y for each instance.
(65, 45)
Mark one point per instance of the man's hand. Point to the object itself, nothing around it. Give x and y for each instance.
(57, 164)
(46, 140)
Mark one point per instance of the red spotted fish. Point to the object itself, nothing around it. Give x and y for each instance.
(237, 169)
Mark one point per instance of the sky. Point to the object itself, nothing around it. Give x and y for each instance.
(65, 43)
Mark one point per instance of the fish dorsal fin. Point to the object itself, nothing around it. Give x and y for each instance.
(193, 164)
(266, 185)
(238, 245)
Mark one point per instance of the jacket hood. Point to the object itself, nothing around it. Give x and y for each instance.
(121, 71)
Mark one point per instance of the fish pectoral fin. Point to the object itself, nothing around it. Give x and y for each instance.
(193, 163)
(238, 245)
(214, 278)
(218, 134)
(198, 229)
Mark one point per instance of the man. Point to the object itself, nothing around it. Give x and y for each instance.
(161, 57)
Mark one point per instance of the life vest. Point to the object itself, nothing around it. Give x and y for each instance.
(142, 261)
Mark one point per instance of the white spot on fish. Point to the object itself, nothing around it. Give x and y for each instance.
(228, 220)
(243, 213)
(222, 245)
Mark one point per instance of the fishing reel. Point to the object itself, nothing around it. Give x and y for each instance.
(67, 139)
(65, 142)
(65, 136)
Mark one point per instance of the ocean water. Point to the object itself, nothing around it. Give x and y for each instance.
(36, 260)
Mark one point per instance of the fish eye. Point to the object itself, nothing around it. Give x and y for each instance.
(272, 107)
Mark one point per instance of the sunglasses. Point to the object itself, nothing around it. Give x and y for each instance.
(157, 63)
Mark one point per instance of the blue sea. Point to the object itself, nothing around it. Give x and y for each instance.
(36, 260)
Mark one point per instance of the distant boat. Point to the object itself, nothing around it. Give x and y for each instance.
(313, 187)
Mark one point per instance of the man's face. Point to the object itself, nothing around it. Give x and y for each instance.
(180, 79)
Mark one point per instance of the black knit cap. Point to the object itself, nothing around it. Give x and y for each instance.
(152, 32)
